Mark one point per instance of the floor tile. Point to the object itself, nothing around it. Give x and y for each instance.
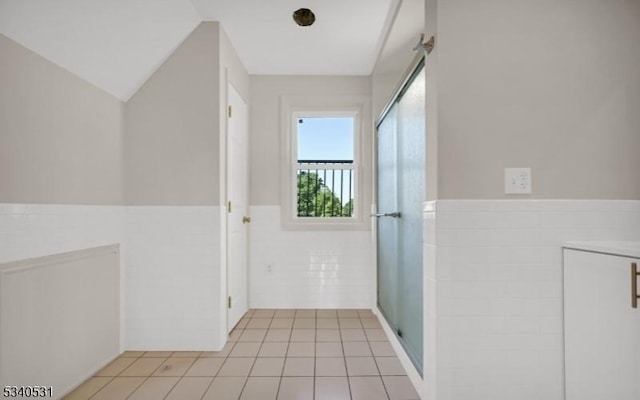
(303, 335)
(264, 313)
(382, 349)
(361, 366)
(328, 335)
(304, 323)
(349, 323)
(400, 388)
(205, 367)
(88, 388)
(268, 367)
(260, 388)
(189, 354)
(115, 367)
(189, 388)
(353, 335)
(348, 313)
(375, 335)
(158, 354)
(356, 349)
(118, 389)
(366, 314)
(284, 313)
(291, 354)
(222, 353)
(281, 323)
(329, 349)
(278, 335)
(273, 349)
(296, 389)
(245, 349)
(225, 388)
(143, 367)
(154, 388)
(235, 334)
(327, 323)
(258, 323)
(242, 323)
(301, 349)
(332, 313)
(298, 367)
(253, 335)
(367, 388)
(332, 388)
(390, 366)
(333, 366)
(305, 313)
(174, 367)
(371, 323)
(236, 367)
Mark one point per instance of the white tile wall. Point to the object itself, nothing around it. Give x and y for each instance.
(170, 263)
(172, 291)
(308, 269)
(34, 230)
(497, 271)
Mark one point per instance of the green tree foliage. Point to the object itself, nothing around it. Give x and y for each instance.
(315, 199)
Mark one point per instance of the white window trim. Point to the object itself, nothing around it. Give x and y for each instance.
(292, 107)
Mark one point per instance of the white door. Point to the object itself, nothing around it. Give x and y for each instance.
(237, 206)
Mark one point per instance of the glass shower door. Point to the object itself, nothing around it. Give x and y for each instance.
(400, 195)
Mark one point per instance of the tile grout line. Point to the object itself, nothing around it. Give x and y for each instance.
(315, 356)
(344, 357)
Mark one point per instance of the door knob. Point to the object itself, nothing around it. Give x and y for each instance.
(246, 220)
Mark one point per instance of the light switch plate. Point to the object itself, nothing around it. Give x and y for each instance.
(517, 180)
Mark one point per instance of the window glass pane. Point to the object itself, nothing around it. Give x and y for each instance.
(325, 175)
(324, 138)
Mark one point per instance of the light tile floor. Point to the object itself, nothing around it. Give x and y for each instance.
(271, 354)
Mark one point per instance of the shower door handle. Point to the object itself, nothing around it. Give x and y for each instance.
(396, 214)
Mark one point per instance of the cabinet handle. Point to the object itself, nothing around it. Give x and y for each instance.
(634, 285)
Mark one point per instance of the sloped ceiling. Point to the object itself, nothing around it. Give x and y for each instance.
(117, 44)
(114, 44)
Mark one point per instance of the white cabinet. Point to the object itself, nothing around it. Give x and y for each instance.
(602, 329)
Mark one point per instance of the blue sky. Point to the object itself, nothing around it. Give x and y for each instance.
(322, 138)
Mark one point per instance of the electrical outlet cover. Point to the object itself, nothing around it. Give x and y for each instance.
(517, 180)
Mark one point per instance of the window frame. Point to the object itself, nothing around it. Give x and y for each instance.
(294, 108)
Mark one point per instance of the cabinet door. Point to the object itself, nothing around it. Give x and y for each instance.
(602, 330)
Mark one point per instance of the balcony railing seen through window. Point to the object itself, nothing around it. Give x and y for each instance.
(325, 188)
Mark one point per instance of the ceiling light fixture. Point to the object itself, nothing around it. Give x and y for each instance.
(304, 17)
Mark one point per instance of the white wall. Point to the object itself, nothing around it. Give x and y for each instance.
(551, 85)
(312, 268)
(548, 85)
(60, 138)
(172, 278)
(162, 153)
(494, 291)
(67, 324)
(170, 263)
(308, 269)
(36, 230)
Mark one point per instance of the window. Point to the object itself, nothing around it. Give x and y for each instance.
(325, 165)
(322, 168)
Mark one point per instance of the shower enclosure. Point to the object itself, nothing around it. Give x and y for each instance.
(400, 190)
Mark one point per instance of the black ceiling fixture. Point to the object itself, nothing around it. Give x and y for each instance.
(304, 17)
